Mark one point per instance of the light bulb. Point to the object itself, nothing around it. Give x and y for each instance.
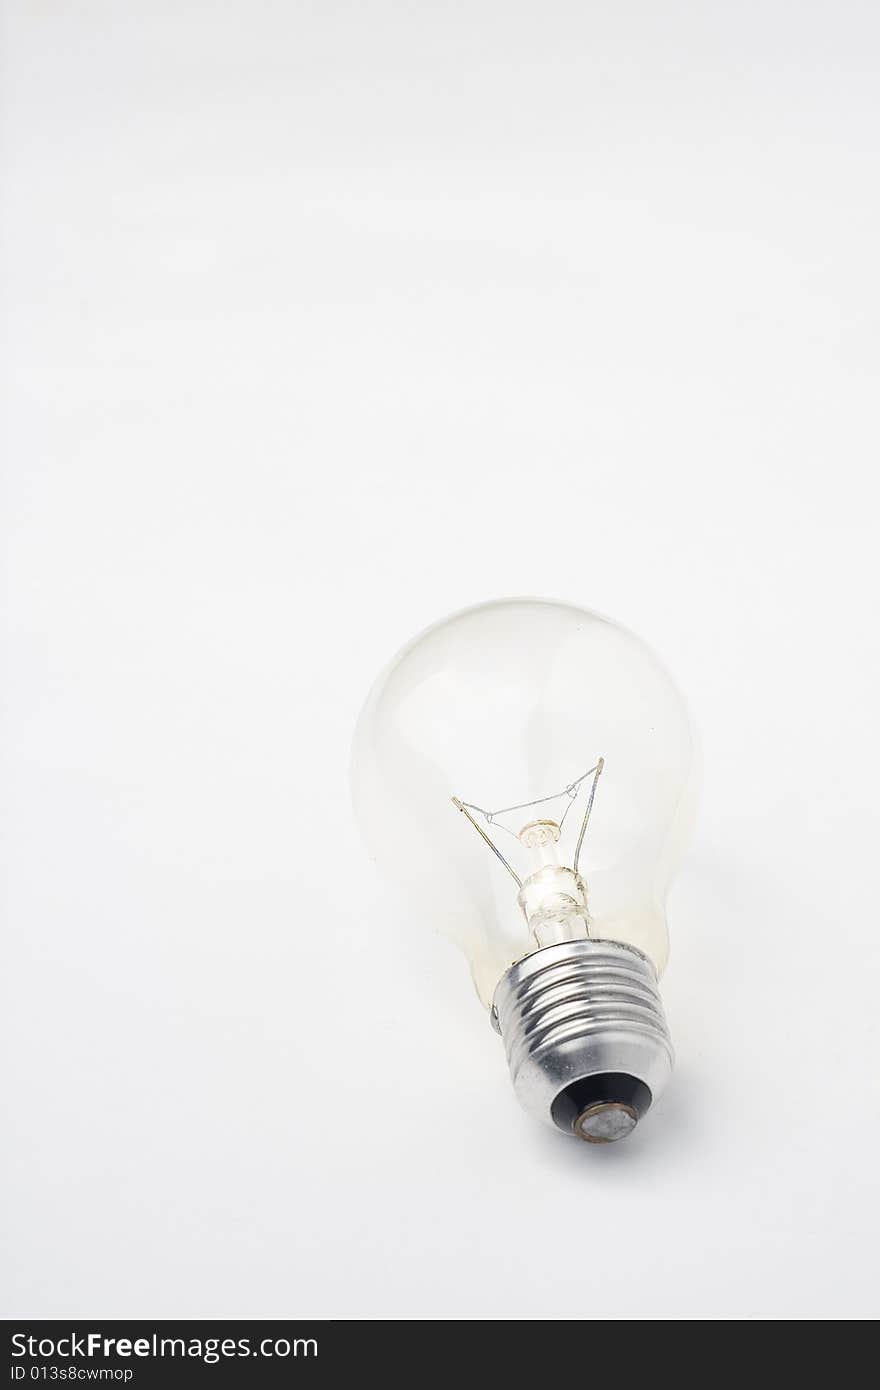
(526, 771)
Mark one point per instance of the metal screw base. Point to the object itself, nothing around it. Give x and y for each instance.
(586, 1037)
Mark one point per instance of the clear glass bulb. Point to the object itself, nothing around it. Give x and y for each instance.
(525, 770)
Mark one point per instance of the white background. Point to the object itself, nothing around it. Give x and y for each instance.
(326, 319)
